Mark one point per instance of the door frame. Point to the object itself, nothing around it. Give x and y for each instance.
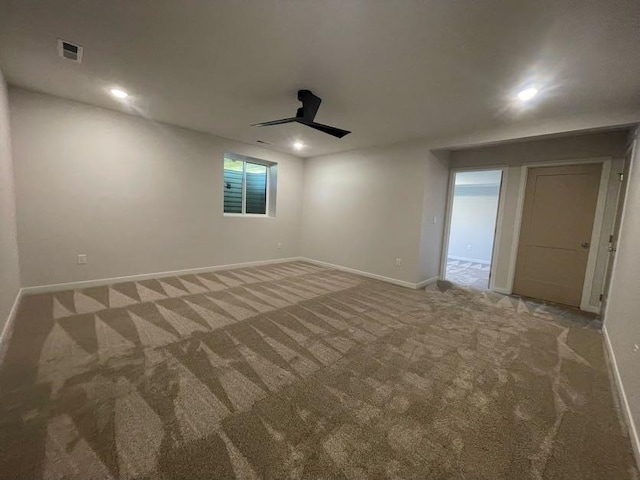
(614, 238)
(498, 230)
(596, 231)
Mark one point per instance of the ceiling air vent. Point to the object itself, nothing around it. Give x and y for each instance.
(70, 51)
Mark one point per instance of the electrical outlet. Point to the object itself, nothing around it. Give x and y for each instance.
(398, 262)
(435, 219)
(279, 245)
(469, 247)
(82, 259)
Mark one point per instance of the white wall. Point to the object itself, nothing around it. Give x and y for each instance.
(435, 183)
(135, 196)
(9, 263)
(473, 215)
(365, 208)
(576, 147)
(140, 197)
(622, 316)
(473, 221)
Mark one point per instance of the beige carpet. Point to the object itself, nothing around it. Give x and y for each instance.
(295, 371)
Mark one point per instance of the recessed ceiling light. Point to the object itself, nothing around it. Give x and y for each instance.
(527, 94)
(116, 92)
(298, 145)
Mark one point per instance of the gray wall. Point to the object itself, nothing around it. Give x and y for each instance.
(365, 208)
(576, 147)
(622, 317)
(9, 264)
(135, 196)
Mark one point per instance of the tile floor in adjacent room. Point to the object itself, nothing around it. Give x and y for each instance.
(468, 274)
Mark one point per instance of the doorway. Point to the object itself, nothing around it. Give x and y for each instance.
(613, 237)
(472, 218)
(556, 230)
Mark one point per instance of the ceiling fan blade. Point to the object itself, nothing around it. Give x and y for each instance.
(275, 122)
(310, 105)
(336, 132)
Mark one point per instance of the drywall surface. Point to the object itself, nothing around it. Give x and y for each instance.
(601, 144)
(473, 215)
(435, 183)
(570, 148)
(367, 208)
(134, 196)
(9, 262)
(473, 221)
(622, 316)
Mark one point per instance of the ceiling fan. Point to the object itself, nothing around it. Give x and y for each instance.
(306, 114)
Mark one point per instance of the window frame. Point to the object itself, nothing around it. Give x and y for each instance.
(256, 161)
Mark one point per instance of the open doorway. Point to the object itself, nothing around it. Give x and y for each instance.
(472, 217)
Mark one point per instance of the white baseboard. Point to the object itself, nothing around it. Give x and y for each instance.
(426, 282)
(395, 281)
(628, 416)
(57, 287)
(5, 335)
(146, 276)
(503, 291)
(589, 308)
(472, 260)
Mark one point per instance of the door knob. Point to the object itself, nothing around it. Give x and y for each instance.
(585, 244)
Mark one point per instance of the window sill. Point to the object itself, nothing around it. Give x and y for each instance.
(246, 215)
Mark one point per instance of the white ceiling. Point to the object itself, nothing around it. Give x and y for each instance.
(387, 70)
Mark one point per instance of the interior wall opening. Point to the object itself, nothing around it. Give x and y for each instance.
(472, 227)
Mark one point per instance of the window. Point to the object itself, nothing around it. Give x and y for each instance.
(247, 186)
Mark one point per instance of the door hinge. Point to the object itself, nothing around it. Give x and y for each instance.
(601, 297)
(610, 238)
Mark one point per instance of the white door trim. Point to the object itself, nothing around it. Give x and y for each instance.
(498, 232)
(598, 220)
(595, 232)
(447, 224)
(497, 238)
